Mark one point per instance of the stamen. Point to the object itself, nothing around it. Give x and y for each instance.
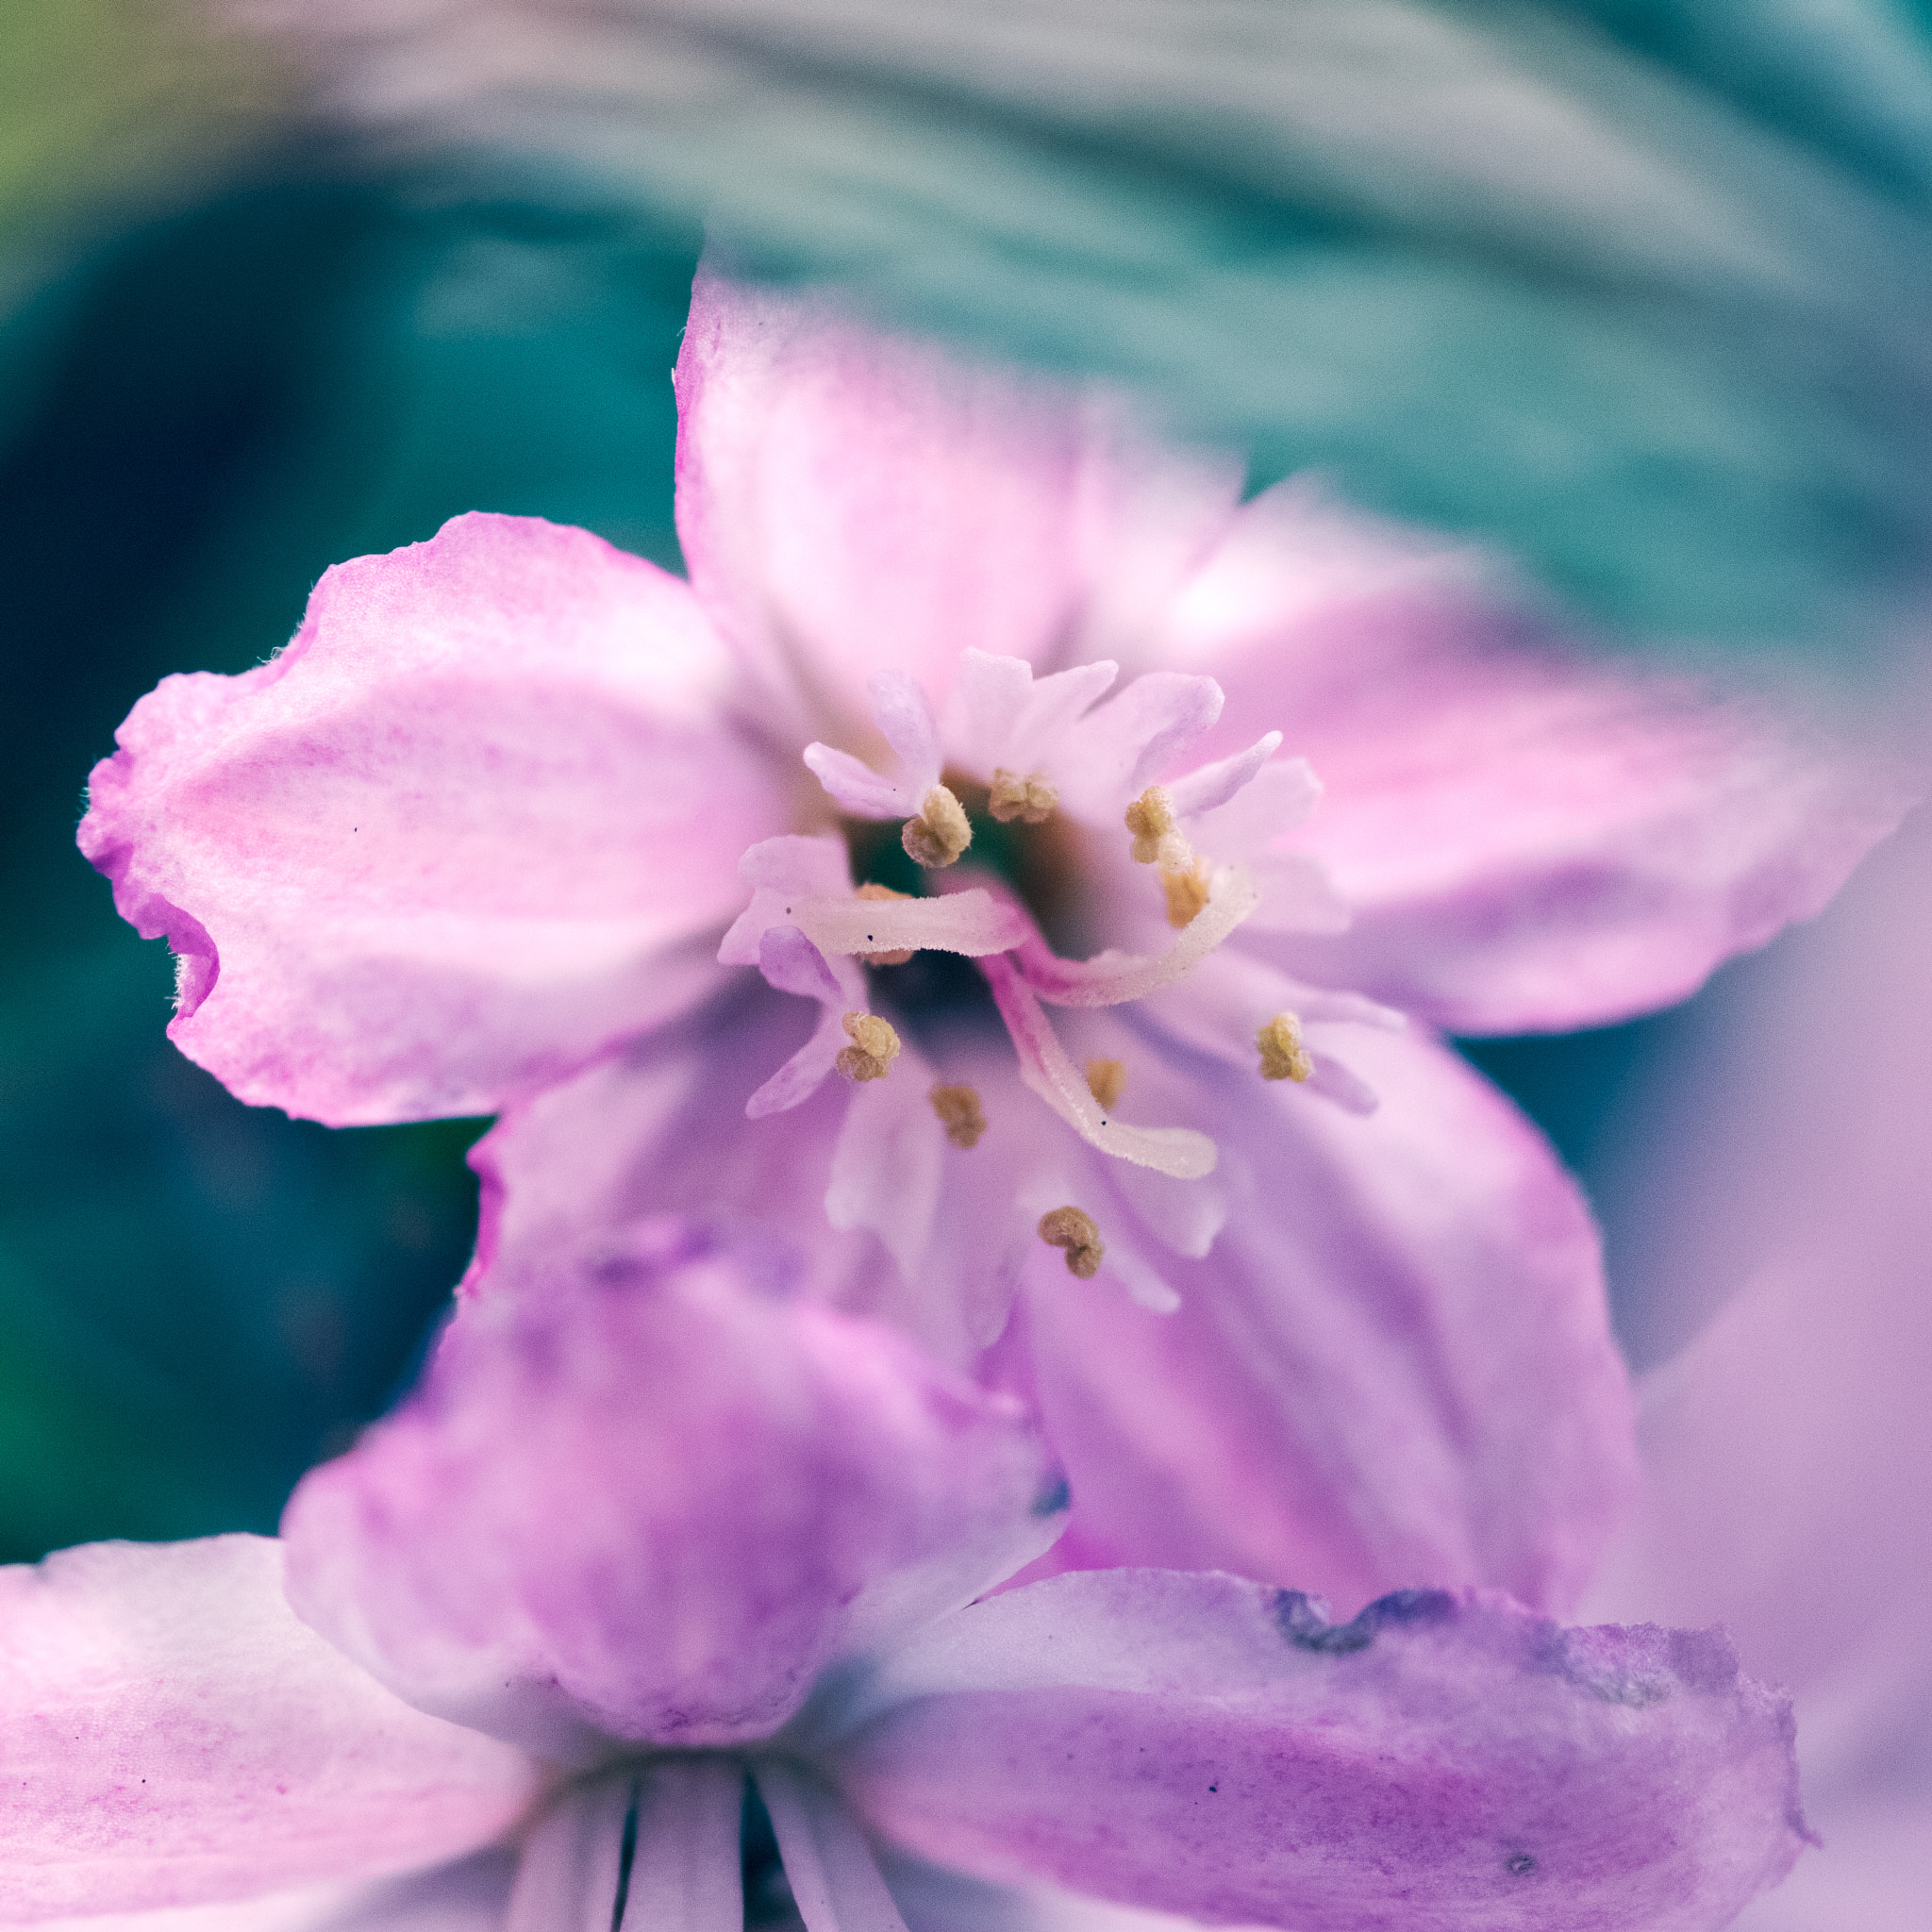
(939, 833)
(1107, 1080)
(959, 1113)
(1150, 818)
(1071, 1229)
(874, 1047)
(1032, 800)
(901, 954)
(1283, 1055)
(1188, 891)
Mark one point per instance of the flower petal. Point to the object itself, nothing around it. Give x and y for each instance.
(1213, 1747)
(1047, 1071)
(685, 1873)
(1394, 1363)
(850, 502)
(447, 846)
(652, 1501)
(1530, 839)
(172, 1735)
(834, 1877)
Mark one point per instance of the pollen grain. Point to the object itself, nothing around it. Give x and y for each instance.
(874, 1047)
(1107, 1080)
(941, 832)
(1032, 800)
(1283, 1055)
(1074, 1230)
(959, 1113)
(1187, 889)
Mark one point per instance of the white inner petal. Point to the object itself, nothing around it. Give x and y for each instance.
(686, 1872)
(1049, 1073)
(835, 1880)
(567, 1877)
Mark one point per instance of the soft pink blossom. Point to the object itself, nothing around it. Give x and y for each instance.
(670, 1527)
(472, 842)
(1788, 1447)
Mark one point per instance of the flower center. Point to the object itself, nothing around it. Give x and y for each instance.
(1042, 861)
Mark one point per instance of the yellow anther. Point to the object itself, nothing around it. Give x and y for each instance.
(1150, 818)
(1105, 1080)
(899, 956)
(1187, 890)
(959, 1113)
(1068, 1228)
(874, 1047)
(1031, 800)
(1283, 1055)
(939, 833)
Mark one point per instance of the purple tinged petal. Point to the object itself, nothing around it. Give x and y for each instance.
(569, 1865)
(1395, 1362)
(685, 1872)
(1531, 839)
(652, 1501)
(1442, 1763)
(173, 1734)
(464, 833)
(792, 964)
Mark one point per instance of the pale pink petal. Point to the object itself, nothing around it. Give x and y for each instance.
(1114, 979)
(854, 787)
(651, 1501)
(790, 963)
(1203, 1745)
(1394, 1363)
(1786, 1448)
(469, 829)
(850, 503)
(886, 1167)
(172, 1735)
(1049, 1073)
(1001, 714)
(1530, 839)
(779, 871)
(1121, 746)
(662, 1127)
(1210, 787)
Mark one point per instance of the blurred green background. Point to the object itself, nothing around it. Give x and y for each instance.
(1637, 293)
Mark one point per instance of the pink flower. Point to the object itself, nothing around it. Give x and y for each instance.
(1788, 1447)
(671, 1527)
(470, 844)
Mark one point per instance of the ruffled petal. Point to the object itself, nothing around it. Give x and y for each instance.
(1395, 1362)
(1213, 1747)
(467, 829)
(651, 1501)
(174, 1735)
(1529, 839)
(849, 502)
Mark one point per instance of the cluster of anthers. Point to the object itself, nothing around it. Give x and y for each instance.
(1035, 750)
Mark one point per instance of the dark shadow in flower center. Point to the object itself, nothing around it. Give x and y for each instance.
(1041, 864)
